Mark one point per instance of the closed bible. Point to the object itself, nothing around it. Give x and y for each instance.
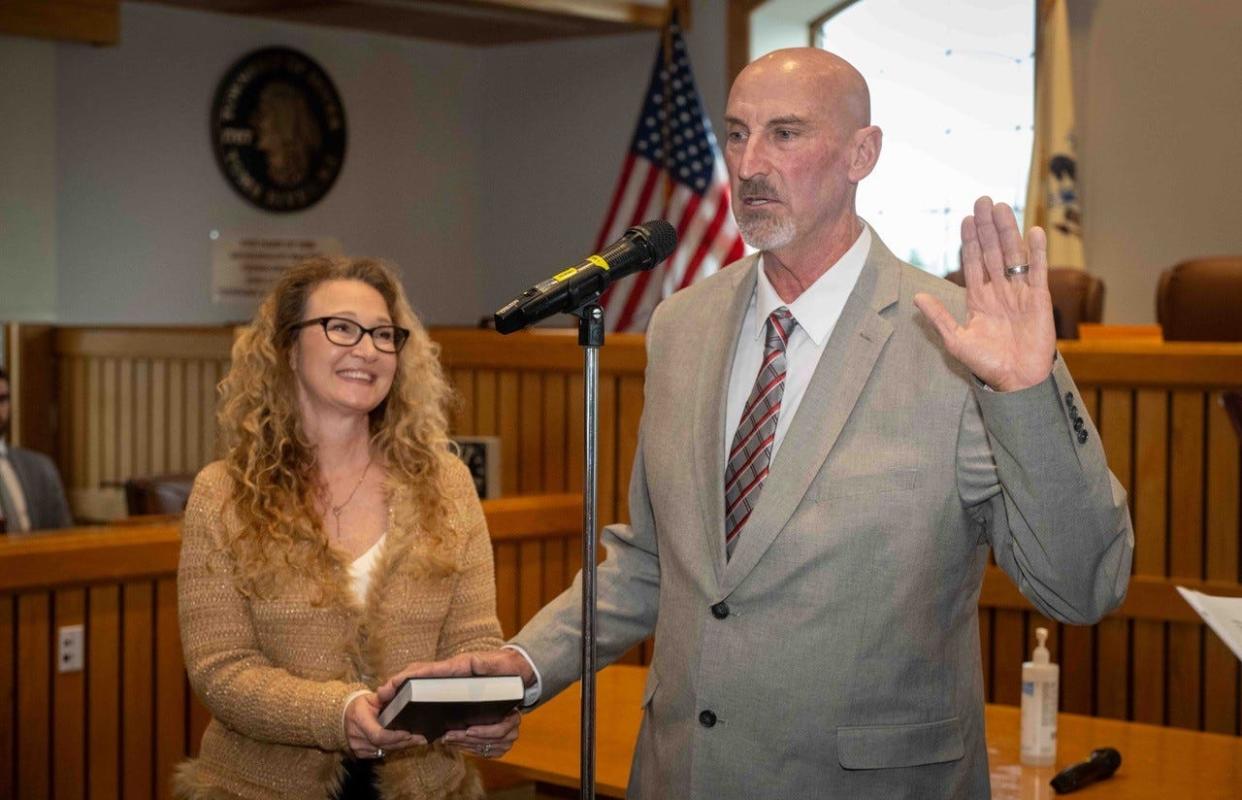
(432, 706)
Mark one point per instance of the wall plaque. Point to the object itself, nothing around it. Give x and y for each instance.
(278, 129)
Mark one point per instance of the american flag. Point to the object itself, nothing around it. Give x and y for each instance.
(673, 171)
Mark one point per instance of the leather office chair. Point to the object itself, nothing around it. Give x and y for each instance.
(1077, 296)
(158, 494)
(1200, 300)
(1232, 401)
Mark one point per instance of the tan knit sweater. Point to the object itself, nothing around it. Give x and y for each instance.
(275, 671)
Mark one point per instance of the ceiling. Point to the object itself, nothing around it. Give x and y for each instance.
(473, 22)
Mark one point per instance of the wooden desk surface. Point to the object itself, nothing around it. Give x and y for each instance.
(1157, 763)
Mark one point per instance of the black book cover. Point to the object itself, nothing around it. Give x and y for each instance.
(433, 706)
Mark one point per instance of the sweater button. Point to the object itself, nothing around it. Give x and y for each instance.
(720, 610)
(707, 719)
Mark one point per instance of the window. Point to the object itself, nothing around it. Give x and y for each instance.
(952, 87)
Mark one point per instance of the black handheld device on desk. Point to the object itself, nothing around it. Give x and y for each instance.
(1102, 764)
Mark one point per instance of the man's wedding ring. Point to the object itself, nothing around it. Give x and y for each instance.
(1017, 269)
(379, 752)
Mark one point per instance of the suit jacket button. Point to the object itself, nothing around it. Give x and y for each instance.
(1069, 398)
(707, 719)
(1082, 437)
(720, 610)
(1078, 423)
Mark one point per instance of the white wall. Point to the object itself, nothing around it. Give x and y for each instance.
(1159, 103)
(27, 179)
(558, 121)
(139, 191)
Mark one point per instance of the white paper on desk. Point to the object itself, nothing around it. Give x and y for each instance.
(1222, 614)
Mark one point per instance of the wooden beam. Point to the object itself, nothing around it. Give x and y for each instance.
(118, 552)
(91, 21)
(1150, 598)
(737, 35)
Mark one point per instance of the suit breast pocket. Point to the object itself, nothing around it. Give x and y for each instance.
(891, 480)
(889, 746)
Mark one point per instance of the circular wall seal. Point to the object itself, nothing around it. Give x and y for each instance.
(278, 129)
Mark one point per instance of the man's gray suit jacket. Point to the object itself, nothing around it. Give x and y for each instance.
(836, 654)
(45, 495)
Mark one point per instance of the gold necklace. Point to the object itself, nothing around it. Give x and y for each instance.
(337, 509)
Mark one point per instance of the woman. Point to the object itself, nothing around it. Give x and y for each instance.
(339, 539)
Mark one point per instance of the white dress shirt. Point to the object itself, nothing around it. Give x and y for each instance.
(816, 311)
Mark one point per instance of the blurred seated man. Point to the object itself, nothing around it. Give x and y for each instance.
(31, 495)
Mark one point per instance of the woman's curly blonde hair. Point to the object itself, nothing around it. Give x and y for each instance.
(280, 534)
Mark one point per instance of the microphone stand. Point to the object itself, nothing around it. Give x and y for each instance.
(590, 338)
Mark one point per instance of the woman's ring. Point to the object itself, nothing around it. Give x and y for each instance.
(379, 752)
(1017, 269)
(487, 750)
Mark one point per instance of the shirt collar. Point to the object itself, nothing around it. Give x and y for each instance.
(816, 310)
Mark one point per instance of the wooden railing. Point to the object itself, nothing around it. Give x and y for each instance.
(1156, 405)
(118, 728)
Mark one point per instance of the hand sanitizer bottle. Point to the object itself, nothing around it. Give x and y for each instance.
(1040, 680)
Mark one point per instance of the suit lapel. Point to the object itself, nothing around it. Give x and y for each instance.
(839, 378)
(710, 400)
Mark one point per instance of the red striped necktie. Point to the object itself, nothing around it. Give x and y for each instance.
(751, 453)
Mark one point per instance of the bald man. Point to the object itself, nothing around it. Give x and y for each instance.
(831, 442)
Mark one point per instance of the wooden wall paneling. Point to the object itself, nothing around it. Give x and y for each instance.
(68, 706)
(109, 430)
(509, 421)
(170, 688)
(93, 21)
(505, 558)
(80, 443)
(1115, 420)
(8, 706)
(125, 419)
(1077, 642)
(95, 424)
(159, 417)
(554, 434)
(137, 682)
(34, 669)
(103, 679)
(1224, 485)
(1008, 652)
(142, 417)
(1186, 493)
(530, 579)
(530, 414)
(193, 416)
(1150, 551)
(486, 394)
(213, 372)
(555, 577)
(629, 411)
(176, 416)
(463, 407)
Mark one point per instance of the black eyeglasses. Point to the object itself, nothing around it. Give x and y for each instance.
(347, 333)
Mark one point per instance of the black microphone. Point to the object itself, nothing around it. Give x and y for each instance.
(639, 248)
(1102, 764)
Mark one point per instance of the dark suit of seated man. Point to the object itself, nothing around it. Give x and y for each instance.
(31, 495)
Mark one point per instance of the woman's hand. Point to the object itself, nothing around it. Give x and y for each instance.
(486, 741)
(366, 737)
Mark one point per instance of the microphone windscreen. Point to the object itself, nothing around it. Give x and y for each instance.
(662, 236)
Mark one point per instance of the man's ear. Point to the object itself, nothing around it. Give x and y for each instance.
(865, 151)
